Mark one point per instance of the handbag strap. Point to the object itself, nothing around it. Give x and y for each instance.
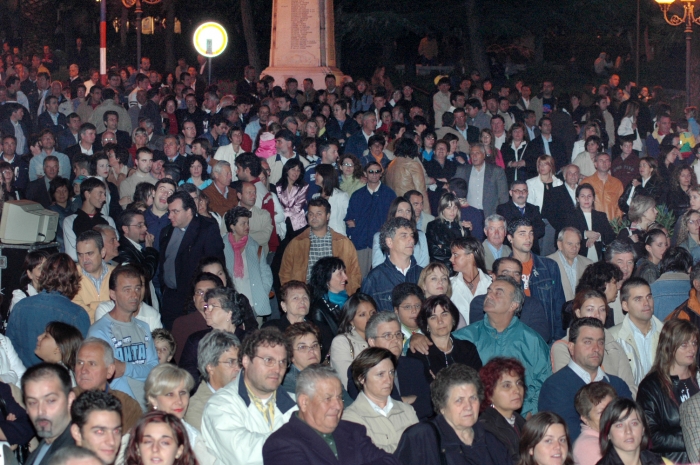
(441, 451)
(352, 349)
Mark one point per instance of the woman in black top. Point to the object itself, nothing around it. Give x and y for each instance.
(504, 391)
(648, 183)
(437, 319)
(328, 295)
(440, 170)
(682, 180)
(446, 227)
(593, 225)
(671, 381)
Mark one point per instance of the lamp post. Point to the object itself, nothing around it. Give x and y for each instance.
(139, 11)
(688, 20)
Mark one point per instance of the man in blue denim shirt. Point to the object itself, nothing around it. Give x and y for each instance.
(397, 239)
(541, 278)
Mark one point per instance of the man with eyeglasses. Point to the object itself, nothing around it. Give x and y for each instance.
(241, 416)
(367, 212)
(384, 330)
(518, 207)
(217, 361)
(136, 244)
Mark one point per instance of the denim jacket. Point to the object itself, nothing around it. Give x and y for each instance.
(545, 286)
(381, 281)
(31, 315)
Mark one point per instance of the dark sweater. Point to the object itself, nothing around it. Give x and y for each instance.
(558, 391)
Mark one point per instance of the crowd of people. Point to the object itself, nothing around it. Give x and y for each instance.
(347, 275)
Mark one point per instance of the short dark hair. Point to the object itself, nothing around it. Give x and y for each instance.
(270, 336)
(365, 361)
(249, 160)
(347, 313)
(129, 271)
(187, 201)
(497, 264)
(89, 184)
(231, 216)
(91, 235)
(630, 284)
(517, 223)
(320, 202)
(388, 230)
(404, 290)
(676, 259)
(92, 401)
(449, 377)
(579, 323)
(428, 309)
(45, 370)
(321, 274)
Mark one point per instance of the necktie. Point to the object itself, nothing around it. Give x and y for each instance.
(267, 410)
(522, 210)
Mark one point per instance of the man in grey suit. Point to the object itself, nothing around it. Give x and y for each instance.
(495, 230)
(486, 183)
(571, 264)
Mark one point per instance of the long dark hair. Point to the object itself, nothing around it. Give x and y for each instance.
(533, 433)
(330, 178)
(68, 339)
(321, 275)
(618, 410)
(347, 313)
(193, 158)
(31, 261)
(673, 334)
(290, 164)
(133, 455)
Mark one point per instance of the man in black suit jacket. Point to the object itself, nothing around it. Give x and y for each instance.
(184, 242)
(470, 133)
(38, 190)
(518, 208)
(560, 203)
(48, 380)
(537, 147)
(135, 233)
(409, 382)
(299, 441)
(46, 119)
(246, 86)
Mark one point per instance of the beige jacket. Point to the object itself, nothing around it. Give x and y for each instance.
(615, 361)
(197, 403)
(90, 298)
(384, 432)
(404, 174)
(344, 349)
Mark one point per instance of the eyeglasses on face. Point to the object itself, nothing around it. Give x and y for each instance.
(306, 348)
(391, 336)
(270, 362)
(374, 171)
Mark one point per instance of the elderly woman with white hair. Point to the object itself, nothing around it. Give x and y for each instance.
(217, 360)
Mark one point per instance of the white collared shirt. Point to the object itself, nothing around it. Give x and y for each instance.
(382, 411)
(584, 375)
(375, 190)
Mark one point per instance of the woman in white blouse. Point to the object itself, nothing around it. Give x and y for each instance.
(628, 125)
(351, 340)
(538, 186)
(590, 129)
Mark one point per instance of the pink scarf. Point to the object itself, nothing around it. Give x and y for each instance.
(237, 254)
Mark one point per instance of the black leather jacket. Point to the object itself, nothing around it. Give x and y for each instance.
(656, 188)
(663, 417)
(440, 234)
(645, 457)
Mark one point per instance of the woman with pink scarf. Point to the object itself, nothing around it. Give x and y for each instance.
(246, 263)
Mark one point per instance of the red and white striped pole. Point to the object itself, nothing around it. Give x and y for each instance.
(103, 42)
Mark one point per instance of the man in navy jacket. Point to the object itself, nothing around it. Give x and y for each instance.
(397, 239)
(587, 347)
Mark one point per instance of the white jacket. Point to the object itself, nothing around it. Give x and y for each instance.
(624, 335)
(535, 190)
(234, 430)
(11, 367)
(339, 207)
(625, 129)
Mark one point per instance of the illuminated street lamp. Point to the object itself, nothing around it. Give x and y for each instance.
(210, 40)
(688, 19)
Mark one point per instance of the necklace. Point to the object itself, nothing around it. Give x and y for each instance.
(470, 284)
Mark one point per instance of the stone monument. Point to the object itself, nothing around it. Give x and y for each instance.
(303, 42)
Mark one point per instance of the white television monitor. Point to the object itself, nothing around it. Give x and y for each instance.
(27, 222)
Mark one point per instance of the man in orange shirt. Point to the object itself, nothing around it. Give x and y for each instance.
(608, 188)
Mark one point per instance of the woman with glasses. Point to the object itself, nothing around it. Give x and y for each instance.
(407, 299)
(350, 173)
(373, 372)
(437, 318)
(304, 338)
(224, 311)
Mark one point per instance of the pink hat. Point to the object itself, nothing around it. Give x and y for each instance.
(266, 148)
